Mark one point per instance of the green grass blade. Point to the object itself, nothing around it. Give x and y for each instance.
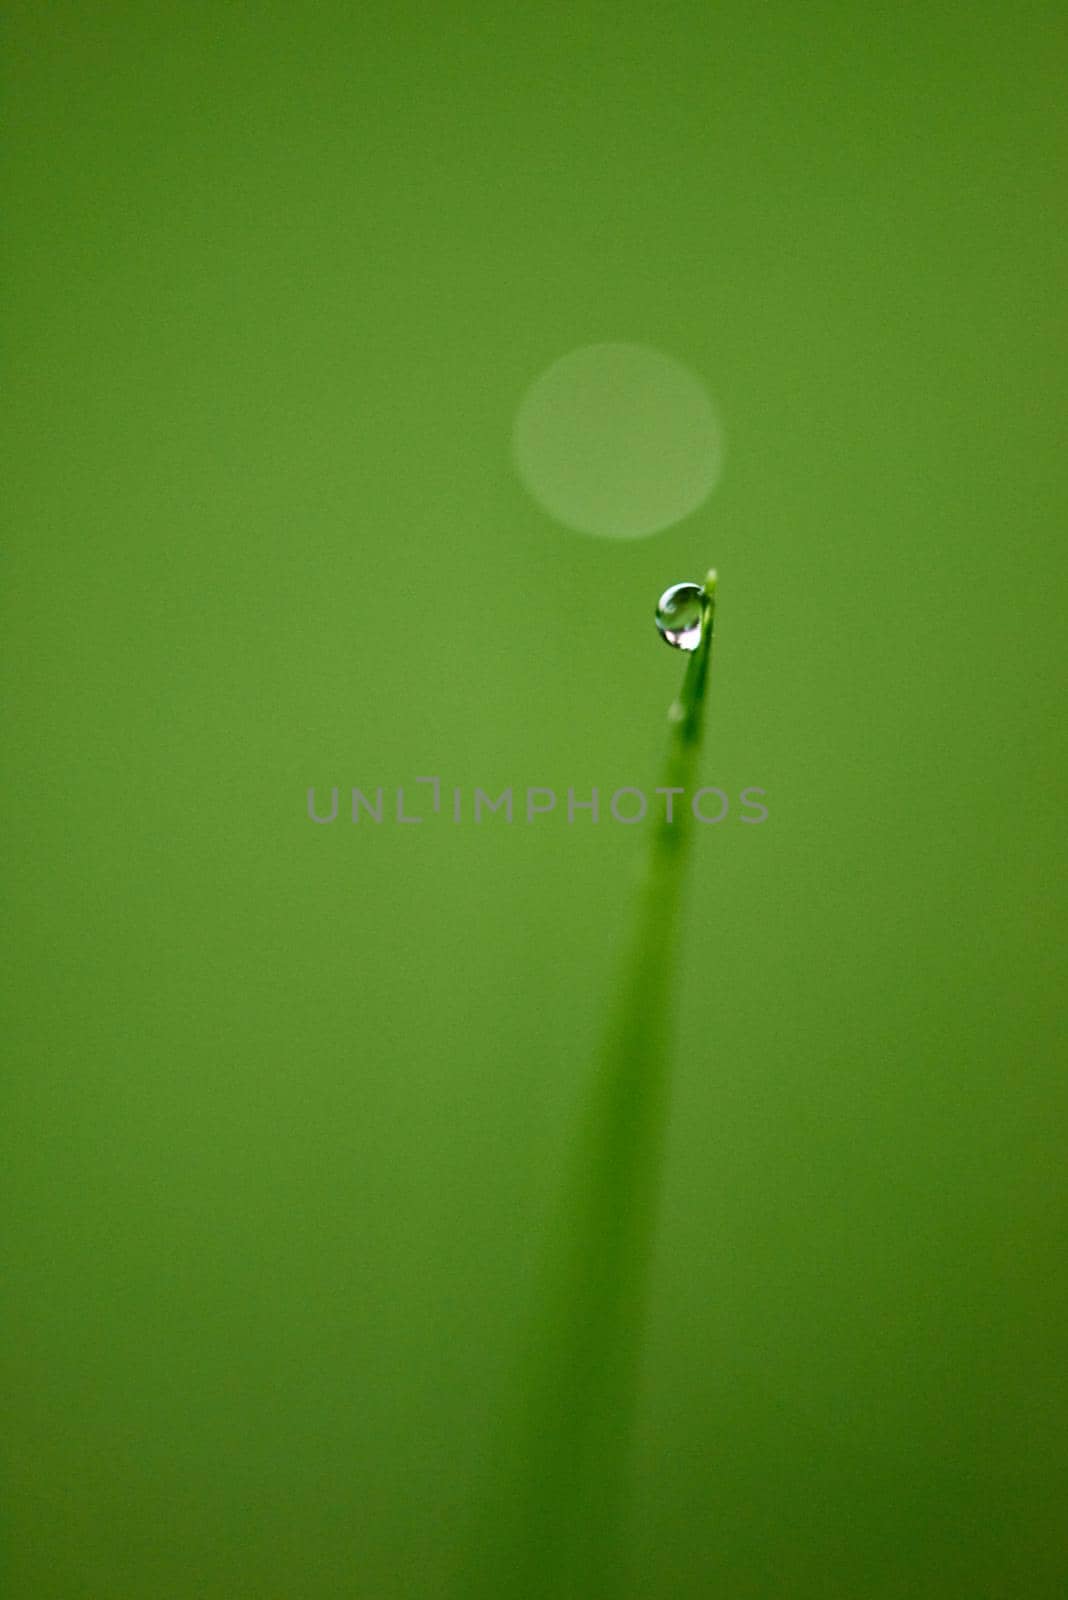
(569, 1459)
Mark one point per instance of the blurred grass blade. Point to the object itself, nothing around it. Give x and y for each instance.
(561, 1532)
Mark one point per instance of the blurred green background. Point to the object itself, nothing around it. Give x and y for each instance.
(286, 1106)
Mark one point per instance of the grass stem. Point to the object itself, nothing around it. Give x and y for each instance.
(580, 1384)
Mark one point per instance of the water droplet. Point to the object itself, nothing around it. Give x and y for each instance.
(679, 614)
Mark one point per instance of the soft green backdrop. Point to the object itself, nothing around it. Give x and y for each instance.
(286, 1105)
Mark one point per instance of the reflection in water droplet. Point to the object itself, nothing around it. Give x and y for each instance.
(679, 613)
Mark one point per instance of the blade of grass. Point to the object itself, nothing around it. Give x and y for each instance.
(569, 1461)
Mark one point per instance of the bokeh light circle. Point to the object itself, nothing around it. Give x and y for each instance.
(618, 440)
